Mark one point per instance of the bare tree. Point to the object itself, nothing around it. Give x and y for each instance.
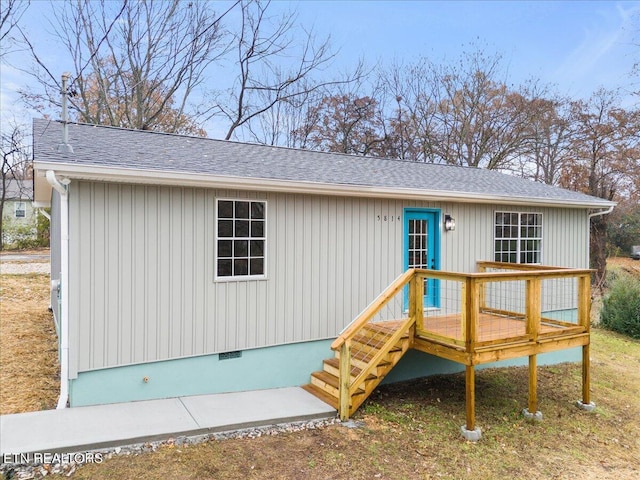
(605, 160)
(287, 122)
(272, 67)
(16, 167)
(413, 121)
(133, 60)
(460, 114)
(346, 124)
(548, 146)
(11, 12)
(635, 69)
(481, 121)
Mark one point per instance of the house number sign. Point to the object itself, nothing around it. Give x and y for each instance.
(388, 218)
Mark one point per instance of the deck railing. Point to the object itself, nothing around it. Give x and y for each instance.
(502, 311)
(386, 308)
(505, 303)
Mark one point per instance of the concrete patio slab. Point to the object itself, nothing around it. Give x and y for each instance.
(102, 426)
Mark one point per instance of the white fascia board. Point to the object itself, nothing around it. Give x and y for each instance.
(185, 179)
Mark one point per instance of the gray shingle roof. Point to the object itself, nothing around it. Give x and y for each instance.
(100, 146)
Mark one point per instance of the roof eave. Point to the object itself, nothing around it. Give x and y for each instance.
(185, 179)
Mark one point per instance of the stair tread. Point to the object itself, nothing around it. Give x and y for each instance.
(322, 395)
(366, 344)
(387, 328)
(332, 380)
(369, 341)
(355, 371)
(366, 356)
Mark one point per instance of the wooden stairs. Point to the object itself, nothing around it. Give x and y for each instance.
(375, 349)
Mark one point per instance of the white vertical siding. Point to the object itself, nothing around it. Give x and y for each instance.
(142, 271)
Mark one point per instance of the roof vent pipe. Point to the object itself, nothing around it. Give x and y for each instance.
(65, 147)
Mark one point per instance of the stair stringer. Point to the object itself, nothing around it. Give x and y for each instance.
(369, 384)
(326, 383)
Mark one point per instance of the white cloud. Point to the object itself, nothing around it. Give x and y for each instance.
(602, 57)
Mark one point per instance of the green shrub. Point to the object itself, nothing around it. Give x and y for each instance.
(621, 306)
(21, 235)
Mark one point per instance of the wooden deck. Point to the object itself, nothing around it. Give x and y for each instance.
(477, 333)
(492, 327)
(496, 328)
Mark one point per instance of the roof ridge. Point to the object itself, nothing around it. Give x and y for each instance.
(263, 145)
(106, 147)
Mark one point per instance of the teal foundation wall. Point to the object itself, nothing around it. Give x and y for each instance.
(566, 315)
(273, 367)
(417, 364)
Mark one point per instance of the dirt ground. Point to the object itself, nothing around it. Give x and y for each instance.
(626, 264)
(411, 431)
(404, 431)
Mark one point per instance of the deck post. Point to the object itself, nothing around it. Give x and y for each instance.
(470, 431)
(534, 307)
(586, 403)
(470, 384)
(532, 413)
(586, 377)
(534, 314)
(419, 301)
(584, 318)
(482, 290)
(416, 300)
(345, 380)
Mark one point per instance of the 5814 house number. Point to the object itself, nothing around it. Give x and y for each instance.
(388, 218)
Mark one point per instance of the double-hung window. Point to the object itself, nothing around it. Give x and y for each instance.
(518, 237)
(240, 239)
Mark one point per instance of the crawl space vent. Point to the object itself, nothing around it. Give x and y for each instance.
(229, 355)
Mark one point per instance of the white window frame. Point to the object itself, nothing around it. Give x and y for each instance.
(236, 278)
(16, 209)
(519, 239)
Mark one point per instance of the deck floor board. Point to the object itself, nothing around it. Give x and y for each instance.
(491, 327)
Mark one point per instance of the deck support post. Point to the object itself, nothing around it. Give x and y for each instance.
(470, 431)
(586, 403)
(531, 412)
(584, 318)
(345, 381)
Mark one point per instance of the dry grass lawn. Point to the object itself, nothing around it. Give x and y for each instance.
(411, 431)
(29, 374)
(408, 430)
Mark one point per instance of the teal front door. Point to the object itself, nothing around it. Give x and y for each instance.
(422, 249)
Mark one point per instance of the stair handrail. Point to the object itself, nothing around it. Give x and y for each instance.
(374, 307)
(389, 343)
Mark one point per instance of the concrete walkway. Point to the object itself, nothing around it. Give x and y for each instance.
(87, 428)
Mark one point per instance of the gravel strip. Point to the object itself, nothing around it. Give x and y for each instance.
(67, 463)
(23, 268)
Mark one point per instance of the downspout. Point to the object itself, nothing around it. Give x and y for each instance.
(590, 216)
(601, 212)
(62, 188)
(42, 212)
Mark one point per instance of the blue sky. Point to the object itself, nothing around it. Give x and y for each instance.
(578, 46)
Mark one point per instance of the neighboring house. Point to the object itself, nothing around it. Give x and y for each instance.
(191, 265)
(18, 208)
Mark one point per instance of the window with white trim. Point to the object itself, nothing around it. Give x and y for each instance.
(240, 239)
(518, 237)
(20, 209)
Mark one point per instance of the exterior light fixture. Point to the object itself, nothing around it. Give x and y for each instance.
(449, 223)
